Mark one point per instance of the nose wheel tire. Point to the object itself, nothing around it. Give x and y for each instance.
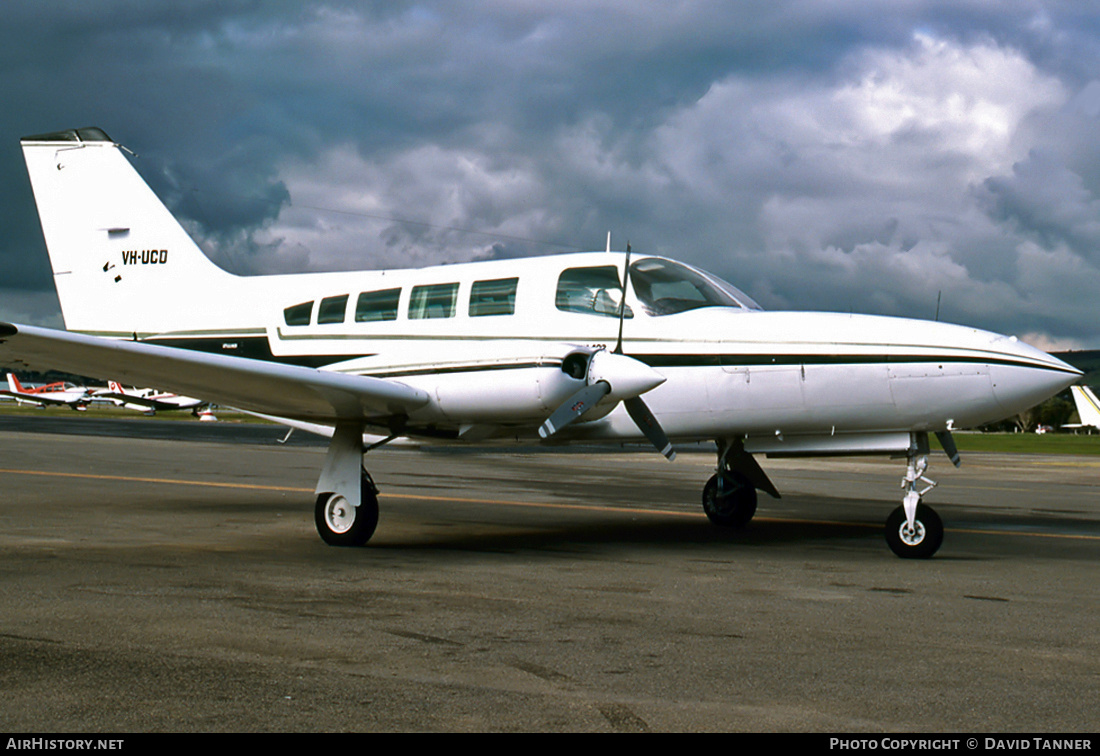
(340, 523)
(729, 501)
(919, 542)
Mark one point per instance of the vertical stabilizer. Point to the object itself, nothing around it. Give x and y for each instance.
(121, 262)
(1087, 405)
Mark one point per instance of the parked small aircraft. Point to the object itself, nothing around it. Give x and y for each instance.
(537, 350)
(147, 400)
(58, 394)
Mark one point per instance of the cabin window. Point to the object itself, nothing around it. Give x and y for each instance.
(298, 314)
(434, 301)
(595, 291)
(332, 309)
(497, 297)
(373, 306)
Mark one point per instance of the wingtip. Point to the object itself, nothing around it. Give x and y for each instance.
(7, 329)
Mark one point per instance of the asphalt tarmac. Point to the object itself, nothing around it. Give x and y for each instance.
(166, 576)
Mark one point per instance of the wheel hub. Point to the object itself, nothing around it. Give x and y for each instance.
(911, 536)
(339, 514)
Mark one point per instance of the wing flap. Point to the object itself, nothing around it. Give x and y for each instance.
(286, 390)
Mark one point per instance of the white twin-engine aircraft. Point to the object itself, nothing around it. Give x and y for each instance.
(147, 400)
(533, 350)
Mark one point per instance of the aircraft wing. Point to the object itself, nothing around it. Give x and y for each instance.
(291, 391)
(45, 401)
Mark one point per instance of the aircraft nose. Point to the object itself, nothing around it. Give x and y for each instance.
(1024, 376)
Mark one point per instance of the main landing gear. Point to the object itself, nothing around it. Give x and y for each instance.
(346, 511)
(729, 497)
(344, 523)
(729, 500)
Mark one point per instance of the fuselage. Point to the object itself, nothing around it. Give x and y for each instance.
(488, 339)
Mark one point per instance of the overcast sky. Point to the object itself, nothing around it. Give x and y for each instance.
(833, 155)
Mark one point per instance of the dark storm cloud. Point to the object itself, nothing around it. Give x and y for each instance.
(844, 155)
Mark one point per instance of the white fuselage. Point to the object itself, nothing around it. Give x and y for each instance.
(730, 371)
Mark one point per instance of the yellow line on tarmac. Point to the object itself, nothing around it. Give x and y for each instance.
(512, 503)
(166, 481)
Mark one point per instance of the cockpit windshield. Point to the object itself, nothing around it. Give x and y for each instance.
(664, 287)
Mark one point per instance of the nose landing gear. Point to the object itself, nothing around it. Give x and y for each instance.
(914, 530)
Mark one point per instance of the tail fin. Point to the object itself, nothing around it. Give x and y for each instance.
(121, 263)
(1087, 405)
(116, 387)
(14, 385)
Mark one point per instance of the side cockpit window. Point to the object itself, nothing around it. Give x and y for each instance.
(332, 309)
(664, 287)
(373, 306)
(595, 291)
(497, 297)
(298, 315)
(433, 301)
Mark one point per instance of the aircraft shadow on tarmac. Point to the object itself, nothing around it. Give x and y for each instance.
(975, 534)
(672, 529)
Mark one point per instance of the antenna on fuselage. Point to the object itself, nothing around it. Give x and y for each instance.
(608, 241)
(938, 296)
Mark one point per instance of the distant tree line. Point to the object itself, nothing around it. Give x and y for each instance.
(1054, 412)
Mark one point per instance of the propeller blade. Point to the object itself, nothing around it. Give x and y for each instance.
(622, 302)
(574, 407)
(947, 441)
(648, 424)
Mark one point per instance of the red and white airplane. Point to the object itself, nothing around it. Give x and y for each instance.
(147, 400)
(59, 394)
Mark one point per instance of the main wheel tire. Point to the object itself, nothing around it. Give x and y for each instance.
(342, 524)
(920, 542)
(732, 506)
